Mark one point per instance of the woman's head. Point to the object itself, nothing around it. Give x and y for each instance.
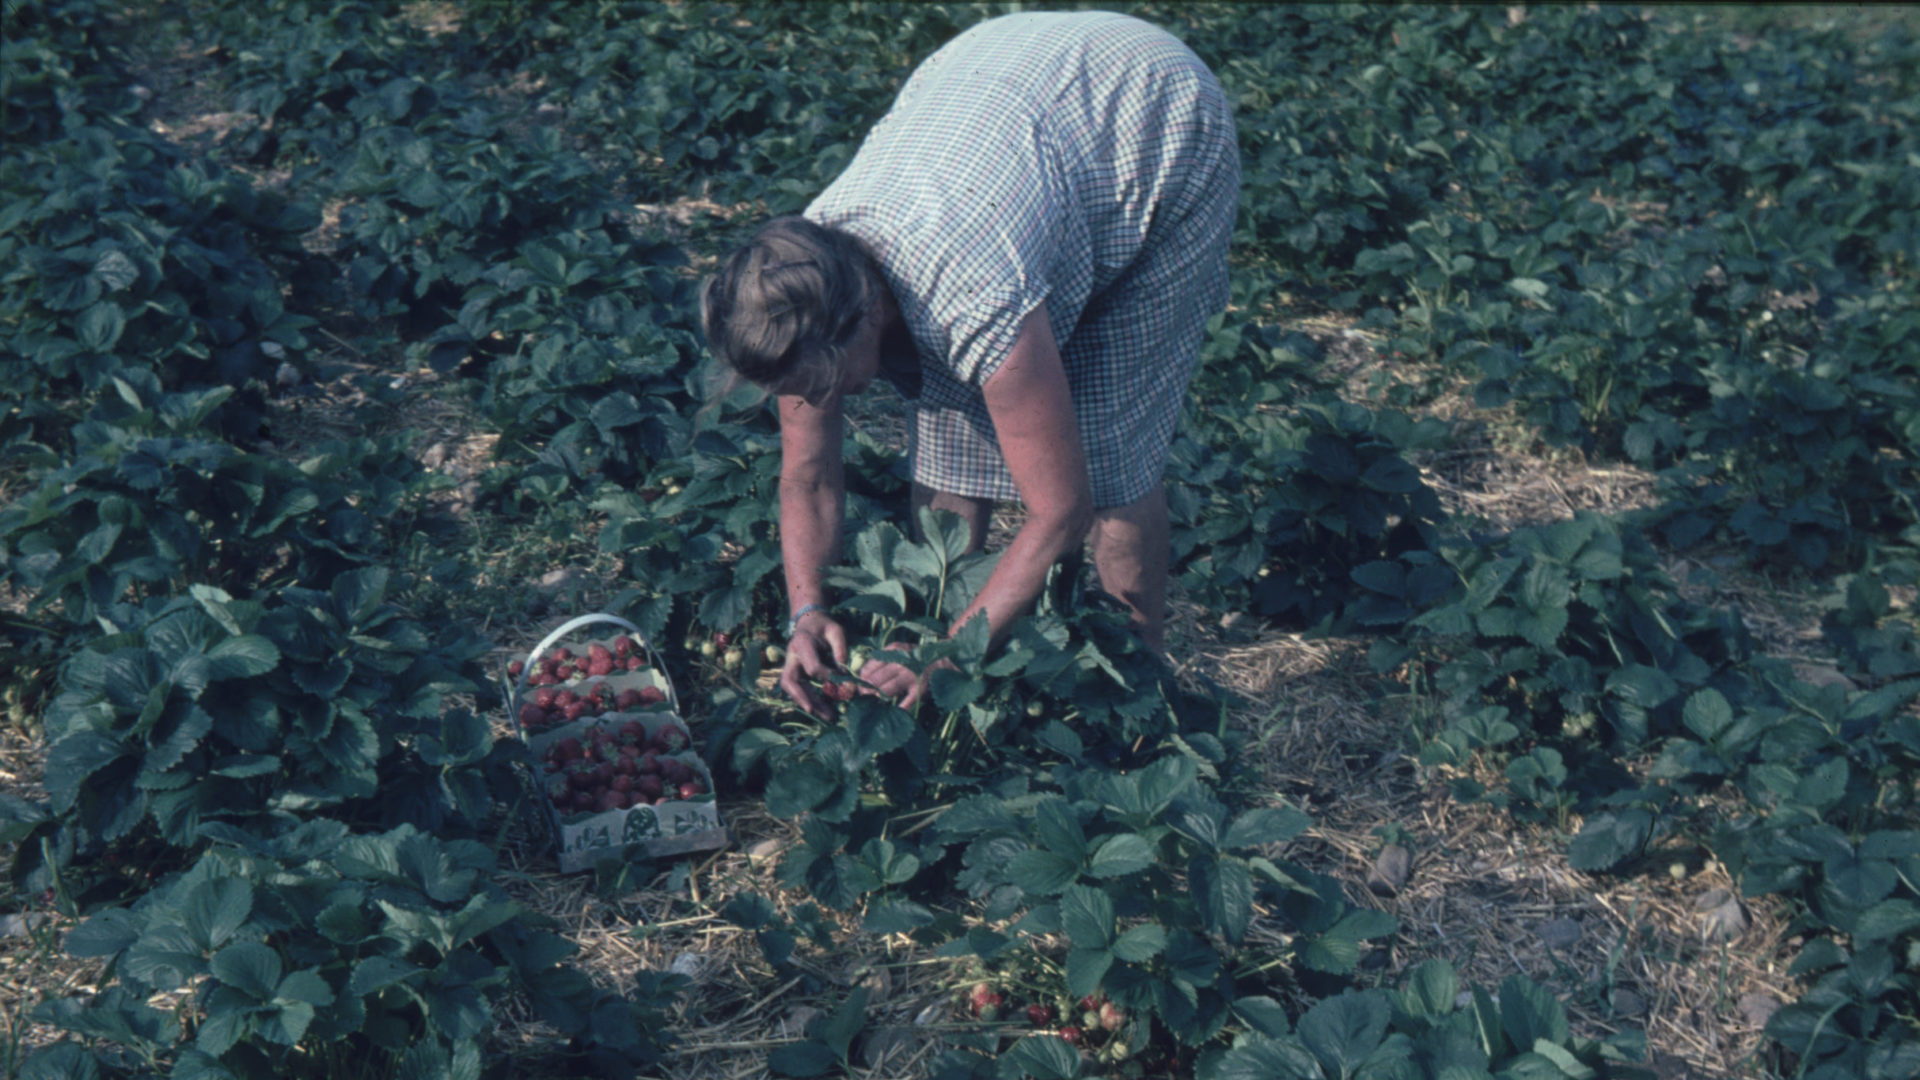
(781, 310)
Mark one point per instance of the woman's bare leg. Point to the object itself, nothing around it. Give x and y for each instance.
(977, 513)
(1132, 545)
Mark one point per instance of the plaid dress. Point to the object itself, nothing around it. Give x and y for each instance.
(1086, 160)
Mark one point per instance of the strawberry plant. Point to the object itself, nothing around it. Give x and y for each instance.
(312, 950)
(1280, 519)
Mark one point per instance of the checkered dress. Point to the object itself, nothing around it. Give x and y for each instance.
(1086, 160)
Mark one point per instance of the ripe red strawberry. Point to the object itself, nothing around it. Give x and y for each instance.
(1071, 1034)
(583, 801)
(627, 700)
(563, 653)
(532, 716)
(648, 787)
(720, 639)
(602, 666)
(569, 748)
(675, 771)
(633, 729)
(575, 711)
(633, 663)
(515, 668)
(545, 697)
(1112, 1017)
(691, 789)
(623, 646)
(649, 764)
(597, 652)
(1040, 1015)
(651, 695)
(672, 739)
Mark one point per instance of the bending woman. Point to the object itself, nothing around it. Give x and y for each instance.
(1028, 246)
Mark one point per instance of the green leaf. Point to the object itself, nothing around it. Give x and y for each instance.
(214, 911)
(305, 986)
(1041, 873)
(838, 1030)
(100, 326)
(1041, 1057)
(376, 973)
(1086, 968)
(1886, 920)
(1264, 1015)
(1707, 714)
(1140, 943)
(1265, 825)
(241, 657)
(106, 934)
(1121, 854)
(1342, 1031)
(1608, 839)
(1646, 687)
(1530, 288)
(1086, 914)
(897, 917)
(1225, 888)
(1529, 1013)
(1269, 1059)
(1430, 990)
(248, 966)
(805, 1059)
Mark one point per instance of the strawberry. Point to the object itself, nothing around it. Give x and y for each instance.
(984, 1001)
(532, 716)
(569, 749)
(515, 669)
(597, 652)
(651, 695)
(563, 653)
(691, 789)
(648, 787)
(601, 666)
(1112, 1017)
(1040, 1015)
(1071, 1034)
(623, 646)
(633, 664)
(545, 697)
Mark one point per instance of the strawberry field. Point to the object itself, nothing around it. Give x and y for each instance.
(1539, 702)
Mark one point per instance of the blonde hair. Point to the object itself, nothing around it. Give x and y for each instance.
(782, 308)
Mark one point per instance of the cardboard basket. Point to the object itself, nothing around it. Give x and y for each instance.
(674, 826)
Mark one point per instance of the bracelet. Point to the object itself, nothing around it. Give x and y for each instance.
(794, 622)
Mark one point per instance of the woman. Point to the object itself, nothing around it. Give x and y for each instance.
(1029, 245)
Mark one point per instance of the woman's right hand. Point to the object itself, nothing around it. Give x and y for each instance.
(818, 649)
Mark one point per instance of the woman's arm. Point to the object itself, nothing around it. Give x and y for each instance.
(812, 506)
(1032, 411)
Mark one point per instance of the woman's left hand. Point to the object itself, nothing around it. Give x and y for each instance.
(897, 681)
